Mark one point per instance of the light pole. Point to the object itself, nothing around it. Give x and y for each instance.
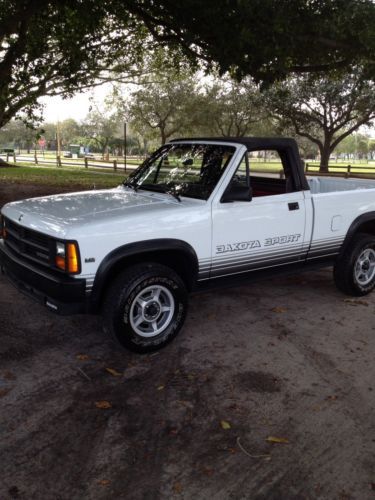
(58, 146)
(125, 146)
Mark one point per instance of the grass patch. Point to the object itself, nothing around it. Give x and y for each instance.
(268, 166)
(357, 167)
(61, 176)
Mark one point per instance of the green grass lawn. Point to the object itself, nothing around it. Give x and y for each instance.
(342, 167)
(339, 167)
(85, 178)
(104, 178)
(51, 157)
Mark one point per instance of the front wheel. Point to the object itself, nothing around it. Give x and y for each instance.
(354, 271)
(145, 307)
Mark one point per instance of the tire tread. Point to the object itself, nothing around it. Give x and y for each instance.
(343, 270)
(120, 288)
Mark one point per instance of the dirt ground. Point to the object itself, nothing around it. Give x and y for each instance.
(290, 358)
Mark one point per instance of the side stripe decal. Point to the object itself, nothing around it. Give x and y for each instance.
(251, 261)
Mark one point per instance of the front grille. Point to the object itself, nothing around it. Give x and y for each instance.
(27, 243)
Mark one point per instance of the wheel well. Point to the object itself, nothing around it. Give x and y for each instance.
(366, 227)
(178, 260)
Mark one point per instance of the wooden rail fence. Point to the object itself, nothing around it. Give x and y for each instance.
(115, 164)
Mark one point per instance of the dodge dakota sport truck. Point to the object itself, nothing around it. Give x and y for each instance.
(195, 214)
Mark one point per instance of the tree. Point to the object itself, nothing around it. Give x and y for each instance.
(355, 145)
(346, 148)
(371, 148)
(168, 106)
(323, 109)
(231, 108)
(362, 146)
(50, 47)
(70, 130)
(267, 39)
(101, 128)
(16, 135)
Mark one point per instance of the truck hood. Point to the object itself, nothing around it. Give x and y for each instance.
(54, 215)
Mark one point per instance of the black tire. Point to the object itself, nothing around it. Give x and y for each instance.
(345, 274)
(122, 303)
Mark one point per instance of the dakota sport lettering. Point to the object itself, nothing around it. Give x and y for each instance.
(235, 247)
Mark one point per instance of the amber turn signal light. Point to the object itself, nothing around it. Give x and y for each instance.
(67, 257)
(72, 254)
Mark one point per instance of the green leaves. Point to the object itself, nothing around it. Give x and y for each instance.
(324, 108)
(50, 47)
(267, 39)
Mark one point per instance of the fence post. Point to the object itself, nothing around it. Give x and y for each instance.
(7, 157)
(58, 160)
(115, 165)
(14, 157)
(86, 162)
(35, 158)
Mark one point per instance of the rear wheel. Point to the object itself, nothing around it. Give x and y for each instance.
(145, 307)
(354, 271)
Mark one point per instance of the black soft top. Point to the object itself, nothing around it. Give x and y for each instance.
(286, 147)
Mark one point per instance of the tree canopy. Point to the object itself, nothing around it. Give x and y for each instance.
(169, 106)
(50, 47)
(324, 110)
(101, 127)
(267, 39)
(231, 109)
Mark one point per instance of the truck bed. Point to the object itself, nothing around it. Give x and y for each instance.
(331, 184)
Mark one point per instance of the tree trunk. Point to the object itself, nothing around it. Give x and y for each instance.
(163, 136)
(104, 149)
(145, 146)
(325, 153)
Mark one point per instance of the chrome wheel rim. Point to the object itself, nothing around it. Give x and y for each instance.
(364, 269)
(152, 311)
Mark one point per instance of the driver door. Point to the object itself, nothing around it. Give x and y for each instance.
(266, 232)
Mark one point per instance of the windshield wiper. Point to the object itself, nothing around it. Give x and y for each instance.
(157, 188)
(130, 184)
(174, 193)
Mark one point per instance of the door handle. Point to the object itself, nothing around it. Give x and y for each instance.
(293, 206)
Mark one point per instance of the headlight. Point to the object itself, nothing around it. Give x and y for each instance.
(60, 259)
(67, 257)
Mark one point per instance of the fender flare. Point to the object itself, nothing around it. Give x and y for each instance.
(142, 247)
(353, 229)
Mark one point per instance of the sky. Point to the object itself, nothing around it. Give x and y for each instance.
(58, 109)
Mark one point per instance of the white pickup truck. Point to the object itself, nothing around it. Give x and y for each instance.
(195, 214)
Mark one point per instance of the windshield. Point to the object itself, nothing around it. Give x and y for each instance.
(191, 170)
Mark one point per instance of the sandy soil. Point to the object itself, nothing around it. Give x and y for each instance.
(290, 358)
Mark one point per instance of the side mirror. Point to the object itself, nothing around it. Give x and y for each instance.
(236, 192)
(188, 162)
